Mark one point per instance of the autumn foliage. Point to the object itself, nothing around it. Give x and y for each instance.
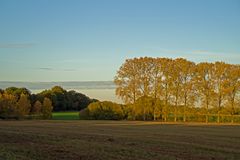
(105, 110)
(178, 89)
(15, 103)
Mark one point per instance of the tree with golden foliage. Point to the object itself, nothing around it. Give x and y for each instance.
(233, 88)
(127, 80)
(156, 91)
(167, 65)
(188, 91)
(37, 108)
(205, 85)
(180, 87)
(220, 71)
(175, 88)
(8, 106)
(47, 108)
(23, 106)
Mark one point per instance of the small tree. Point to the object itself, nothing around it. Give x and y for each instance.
(37, 107)
(47, 108)
(23, 106)
(8, 105)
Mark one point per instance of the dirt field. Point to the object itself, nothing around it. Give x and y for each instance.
(103, 140)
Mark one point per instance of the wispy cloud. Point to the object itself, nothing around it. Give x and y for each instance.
(69, 69)
(200, 52)
(16, 45)
(215, 54)
(55, 69)
(197, 55)
(44, 68)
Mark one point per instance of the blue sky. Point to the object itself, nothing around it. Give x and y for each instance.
(88, 40)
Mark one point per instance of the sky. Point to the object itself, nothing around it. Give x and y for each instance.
(88, 40)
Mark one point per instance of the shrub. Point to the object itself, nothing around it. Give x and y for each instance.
(103, 111)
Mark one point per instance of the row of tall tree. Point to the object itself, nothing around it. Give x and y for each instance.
(178, 86)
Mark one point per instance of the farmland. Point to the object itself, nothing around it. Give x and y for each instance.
(101, 140)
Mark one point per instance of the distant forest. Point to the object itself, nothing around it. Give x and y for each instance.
(19, 102)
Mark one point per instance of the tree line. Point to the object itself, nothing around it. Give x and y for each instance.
(13, 107)
(19, 103)
(177, 89)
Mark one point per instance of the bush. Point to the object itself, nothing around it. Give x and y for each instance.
(103, 111)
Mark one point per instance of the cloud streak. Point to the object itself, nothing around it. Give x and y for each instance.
(197, 55)
(53, 69)
(200, 52)
(16, 45)
(45, 68)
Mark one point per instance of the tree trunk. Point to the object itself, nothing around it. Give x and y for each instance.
(219, 107)
(175, 111)
(207, 114)
(207, 109)
(207, 118)
(165, 115)
(232, 112)
(154, 114)
(184, 114)
(175, 114)
(144, 114)
(232, 118)
(165, 112)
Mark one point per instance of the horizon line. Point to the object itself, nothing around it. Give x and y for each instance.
(55, 81)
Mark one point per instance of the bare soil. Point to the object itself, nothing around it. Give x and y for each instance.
(117, 140)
